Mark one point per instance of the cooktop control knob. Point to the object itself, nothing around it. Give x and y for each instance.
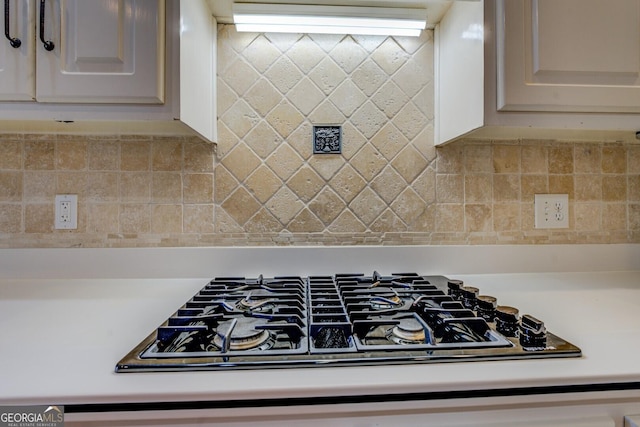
(454, 288)
(507, 320)
(469, 297)
(533, 334)
(487, 307)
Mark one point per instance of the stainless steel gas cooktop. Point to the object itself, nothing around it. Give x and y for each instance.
(344, 319)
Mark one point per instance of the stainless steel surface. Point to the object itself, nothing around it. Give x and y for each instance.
(345, 319)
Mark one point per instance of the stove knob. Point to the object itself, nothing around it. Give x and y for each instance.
(487, 307)
(454, 287)
(469, 297)
(533, 334)
(507, 320)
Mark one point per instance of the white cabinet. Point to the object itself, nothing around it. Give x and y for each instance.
(17, 72)
(538, 68)
(141, 66)
(569, 55)
(198, 36)
(101, 51)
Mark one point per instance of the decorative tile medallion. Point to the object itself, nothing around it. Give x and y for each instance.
(327, 139)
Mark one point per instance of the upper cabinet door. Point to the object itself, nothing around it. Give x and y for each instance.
(198, 36)
(568, 55)
(105, 51)
(17, 80)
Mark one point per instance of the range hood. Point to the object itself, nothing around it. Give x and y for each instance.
(436, 9)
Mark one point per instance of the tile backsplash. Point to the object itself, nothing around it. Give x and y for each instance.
(262, 184)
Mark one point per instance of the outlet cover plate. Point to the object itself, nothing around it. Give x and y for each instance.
(66, 212)
(551, 210)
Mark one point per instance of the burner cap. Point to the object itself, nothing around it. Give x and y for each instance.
(408, 331)
(242, 336)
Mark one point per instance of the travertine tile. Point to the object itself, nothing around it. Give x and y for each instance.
(449, 188)
(346, 222)
(166, 155)
(388, 221)
(263, 222)
(284, 118)
(101, 187)
(135, 218)
(348, 54)
(39, 155)
(588, 187)
(561, 184)
(197, 188)
(478, 217)
(506, 188)
(614, 188)
(477, 158)
(506, 216)
(532, 185)
(382, 189)
(135, 186)
(198, 218)
(284, 205)
(614, 216)
(198, 156)
(10, 186)
(408, 206)
(506, 158)
(71, 155)
(10, 218)
(166, 219)
(588, 158)
(38, 218)
(305, 222)
(306, 183)
(102, 218)
(634, 188)
(240, 206)
(614, 159)
(104, 155)
(478, 188)
(327, 206)
(10, 153)
(388, 184)
(534, 159)
(347, 183)
(166, 187)
(561, 159)
(135, 155)
(263, 183)
(285, 162)
(241, 162)
(39, 186)
(449, 217)
(587, 216)
(409, 163)
(368, 162)
(367, 206)
(305, 96)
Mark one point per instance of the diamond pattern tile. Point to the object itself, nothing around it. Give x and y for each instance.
(276, 87)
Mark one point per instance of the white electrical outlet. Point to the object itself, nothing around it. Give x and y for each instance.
(551, 210)
(66, 212)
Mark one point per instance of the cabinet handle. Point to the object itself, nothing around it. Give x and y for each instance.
(14, 42)
(48, 44)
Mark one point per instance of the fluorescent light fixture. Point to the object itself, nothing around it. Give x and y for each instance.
(297, 18)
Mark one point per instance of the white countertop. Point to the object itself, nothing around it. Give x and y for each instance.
(61, 338)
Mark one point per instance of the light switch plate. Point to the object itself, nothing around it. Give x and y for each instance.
(551, 210)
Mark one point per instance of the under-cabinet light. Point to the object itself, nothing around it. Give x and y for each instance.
(296, 18)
